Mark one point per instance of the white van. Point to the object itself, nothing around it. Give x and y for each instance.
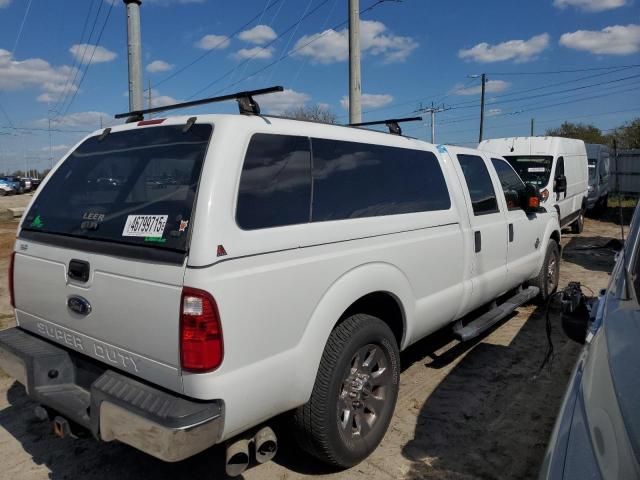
(178, 282)
(556, 165)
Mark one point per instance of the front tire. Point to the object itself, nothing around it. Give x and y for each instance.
(549, 275)
(354, 394)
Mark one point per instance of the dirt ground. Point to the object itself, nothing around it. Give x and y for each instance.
(475, 410)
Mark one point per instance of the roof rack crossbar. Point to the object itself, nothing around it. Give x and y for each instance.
(246, 103)
(391, 123)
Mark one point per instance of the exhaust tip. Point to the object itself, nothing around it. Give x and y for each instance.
(237, 458)
(266, 445)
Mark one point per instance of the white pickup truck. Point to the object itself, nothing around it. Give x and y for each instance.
(178, 282)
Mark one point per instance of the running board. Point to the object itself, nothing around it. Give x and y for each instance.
(493, 316)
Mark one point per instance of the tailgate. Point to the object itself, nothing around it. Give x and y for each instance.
(133, 318)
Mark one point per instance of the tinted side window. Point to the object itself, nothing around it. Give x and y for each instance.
(511, 183)
(353, 180)
(483, 196)
(275, 185)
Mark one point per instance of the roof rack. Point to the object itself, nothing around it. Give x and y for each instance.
(392, 124)
(246, 104)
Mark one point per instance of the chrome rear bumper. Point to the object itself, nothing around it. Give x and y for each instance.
(111, 405)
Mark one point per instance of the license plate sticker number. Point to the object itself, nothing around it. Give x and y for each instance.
(145, 226)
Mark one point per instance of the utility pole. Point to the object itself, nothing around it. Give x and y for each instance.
(355, 87)
(432, 110)
(134, 52)
(484, 83)
(149, 92)
(532, 123)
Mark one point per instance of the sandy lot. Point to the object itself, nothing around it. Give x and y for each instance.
(480, 409)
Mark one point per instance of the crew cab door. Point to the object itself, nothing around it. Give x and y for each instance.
(523, 229)
(488, 227)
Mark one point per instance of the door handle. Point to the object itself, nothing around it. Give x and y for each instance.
(511, 232)
(478, 240)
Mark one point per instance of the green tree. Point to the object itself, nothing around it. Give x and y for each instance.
(316, 113)
(581, 131)
(628, 135)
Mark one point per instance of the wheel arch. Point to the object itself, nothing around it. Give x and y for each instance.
(378, 289)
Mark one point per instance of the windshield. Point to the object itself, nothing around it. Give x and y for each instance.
(133, 187)
(535, 169)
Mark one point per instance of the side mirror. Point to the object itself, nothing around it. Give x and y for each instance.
(530, 199)
(561, 184)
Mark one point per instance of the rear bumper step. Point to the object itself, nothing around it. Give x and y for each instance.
(112, 406)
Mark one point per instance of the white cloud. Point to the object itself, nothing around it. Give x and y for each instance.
(591, 5)
(159, 66)
(34, 72)
(615, 40)
(255, 53)
(158, 100)
(517, 50)
(492, 112)
(491, 86)
(84, 53)
(332, 46)
(260, 34)
(5, 3)
(369, 100)
(211, 42)
(277, 103)
(45, 98)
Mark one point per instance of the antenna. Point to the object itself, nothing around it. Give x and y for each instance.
(392, 124)
(246, 104)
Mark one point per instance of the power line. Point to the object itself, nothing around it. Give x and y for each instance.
(44, 129)
(75, 64)
(84, 74)
(212, 49)
(553, 72)
(500, 102)
(260, 70)
(65, 94)
(267, 45)
(475, 103)
(24, 19)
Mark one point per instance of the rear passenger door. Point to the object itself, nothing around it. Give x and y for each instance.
(523, 230)
(489, 230)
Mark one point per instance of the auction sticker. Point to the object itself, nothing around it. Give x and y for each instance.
(145, 226)
(535, 169)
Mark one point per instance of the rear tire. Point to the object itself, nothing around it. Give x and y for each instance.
(547, 279)
(578, 226)
(354, 394)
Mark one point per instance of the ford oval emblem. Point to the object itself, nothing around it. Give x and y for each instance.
(79, 305)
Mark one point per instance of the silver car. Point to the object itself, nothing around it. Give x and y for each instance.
(597, 433)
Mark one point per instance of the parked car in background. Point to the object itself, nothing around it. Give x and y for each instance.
(35, 183)
(556, 165)
(6, 188)
(280, 270)
(25, 182)
(15, 183)
(599, 168)
(597, 432)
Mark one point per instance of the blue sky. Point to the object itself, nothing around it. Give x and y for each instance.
(413, 51)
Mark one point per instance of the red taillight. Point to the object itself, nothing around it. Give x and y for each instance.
(11, 295)
(201, 344)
